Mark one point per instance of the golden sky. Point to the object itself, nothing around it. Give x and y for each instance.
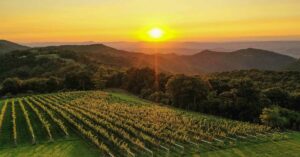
(127, 20)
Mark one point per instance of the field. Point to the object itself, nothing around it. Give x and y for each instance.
(117, 124)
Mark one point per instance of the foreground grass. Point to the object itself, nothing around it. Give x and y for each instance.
(288, 148)
(65, 148)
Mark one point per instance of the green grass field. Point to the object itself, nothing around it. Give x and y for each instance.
(283, 148)
(63, 148)
(116, 123)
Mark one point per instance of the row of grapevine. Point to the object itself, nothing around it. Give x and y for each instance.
(119, 131)
(3, 110)
(13, 114)
(117, 126)
(87, 133)
(160, 121)
(136, 124)
(59, 122)
(116, 142)
(131, 126)
(122, 128)
(42, 119)
(27, 121)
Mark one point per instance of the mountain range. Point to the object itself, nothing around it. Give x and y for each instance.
(291, 48)
(53, 58)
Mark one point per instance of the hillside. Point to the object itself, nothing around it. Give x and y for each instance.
(7, 46)
(210, 61)
(49, 60)
(206, 61)
(105, 122)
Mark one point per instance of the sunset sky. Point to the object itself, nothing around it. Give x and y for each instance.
(129, 20)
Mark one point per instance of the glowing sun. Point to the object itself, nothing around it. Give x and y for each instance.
(156, 33)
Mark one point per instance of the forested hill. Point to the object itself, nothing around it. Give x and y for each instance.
(206, 61)
(58, 60)
(7, 46)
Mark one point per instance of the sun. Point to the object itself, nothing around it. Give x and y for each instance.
(156, 33)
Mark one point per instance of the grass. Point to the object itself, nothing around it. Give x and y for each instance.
(123, 96)
(65, 148)
(289, 147)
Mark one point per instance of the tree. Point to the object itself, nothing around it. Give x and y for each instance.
(187, 92)
(277, 96)
(162, 81)
(81, 80)
(138, 79)
(279, 117)
(12, 85)
(159, 97)
(272, 117)
(53, 84)
(37, 85)
(295, 101)
(105, 76)
(219, 85)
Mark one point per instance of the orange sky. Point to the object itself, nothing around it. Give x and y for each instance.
(129, 20)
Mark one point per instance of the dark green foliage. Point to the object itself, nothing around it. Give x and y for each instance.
(11, 85)
(81, 80)
(279, 117)
(138, 79)
(286, 80)
(277, 96)
(186, 92)
(294, 102)
(239, 100)
(33, 85)
(159, 97)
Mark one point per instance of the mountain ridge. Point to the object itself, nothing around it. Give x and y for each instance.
(8, 46)
(207, 61)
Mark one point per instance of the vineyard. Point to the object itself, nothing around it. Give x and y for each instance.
(118, 126)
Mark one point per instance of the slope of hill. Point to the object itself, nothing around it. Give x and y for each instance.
(58, 60)
(209, 61)
(7, 46)
(291, 48)
(206, 61)
(123, 125)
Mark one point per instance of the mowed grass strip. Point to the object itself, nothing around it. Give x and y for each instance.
(289, 147)
(37, 125)
(23, 134)
(65, 148)
(53, 118)
(6, 139)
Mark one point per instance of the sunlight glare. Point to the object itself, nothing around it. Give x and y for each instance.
(156, 33)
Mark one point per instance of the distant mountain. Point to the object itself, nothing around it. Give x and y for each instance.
(205, 61)
(210, 61)
(59, 60)
(291, 48)
(7, 46)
